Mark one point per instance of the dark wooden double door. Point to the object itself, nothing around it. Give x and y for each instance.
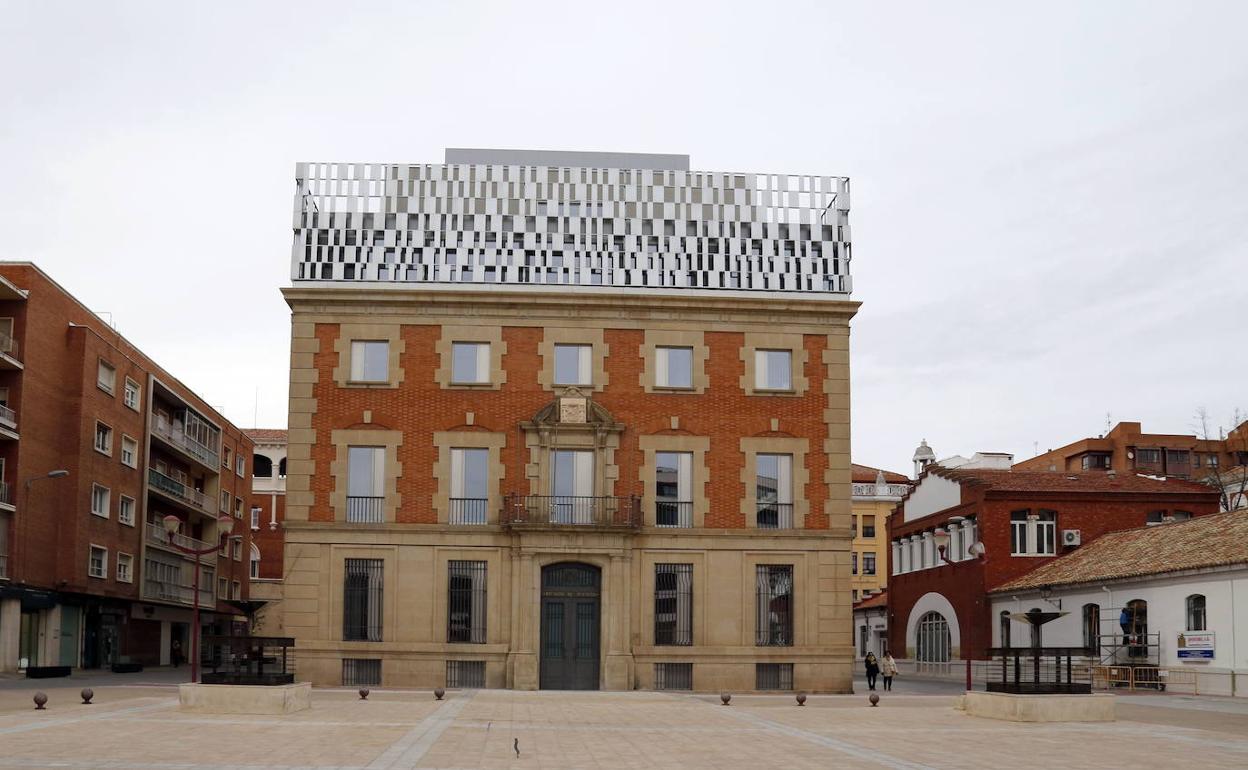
(570, 620)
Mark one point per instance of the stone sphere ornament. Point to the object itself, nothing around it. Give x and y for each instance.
(438, 693)
(725, 697)
(875, 700)
(87, 694)
(40, 699)
(801, 699)
(363, 693)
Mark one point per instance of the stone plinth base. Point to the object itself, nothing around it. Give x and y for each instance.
(244, 699)
(1039, 708)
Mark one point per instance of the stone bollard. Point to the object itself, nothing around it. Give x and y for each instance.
(363, 693)
(725, 697)
(875, 700)
(438, 693)
(40, 699)
(801, 699)
(87, 694)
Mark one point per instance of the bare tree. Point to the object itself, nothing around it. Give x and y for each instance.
(1230, 479)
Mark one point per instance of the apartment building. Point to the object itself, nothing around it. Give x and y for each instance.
(875, 493)
(569, 421)
(268, 516)
(1127, 448)
(98, 445)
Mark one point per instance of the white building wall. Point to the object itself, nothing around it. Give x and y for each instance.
(1226, 602)
(932, 494)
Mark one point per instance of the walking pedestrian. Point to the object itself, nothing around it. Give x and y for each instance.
(888, 667)
(873, 670)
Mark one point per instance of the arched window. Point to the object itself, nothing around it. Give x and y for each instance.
(281, 468)
(1092, 627)
(932, 641)
(261, 467)
(255, 561)
(1005, 628)
(1196, 612)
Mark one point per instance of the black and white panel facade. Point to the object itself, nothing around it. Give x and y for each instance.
(557, 219)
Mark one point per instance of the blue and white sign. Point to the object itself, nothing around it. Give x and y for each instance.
(1196, 645)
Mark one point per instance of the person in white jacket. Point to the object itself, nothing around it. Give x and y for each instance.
(888, 669)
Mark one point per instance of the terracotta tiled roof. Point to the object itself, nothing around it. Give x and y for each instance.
(865, 474)
(1060, 481)
(266, 434)
(1205, 541)
(874, 600)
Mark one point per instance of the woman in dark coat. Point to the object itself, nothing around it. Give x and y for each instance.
(873, 670)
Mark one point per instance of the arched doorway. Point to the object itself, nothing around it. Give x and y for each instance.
(570, 626)
(932, 639)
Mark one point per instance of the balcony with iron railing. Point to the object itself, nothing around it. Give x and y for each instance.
(171, 433)
(572, 511)
(157, 536)
(366, 509)
(673, 513)
(468, 510)
(176, 490)
(775, 515)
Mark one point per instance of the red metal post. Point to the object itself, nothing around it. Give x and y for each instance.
(195, 626)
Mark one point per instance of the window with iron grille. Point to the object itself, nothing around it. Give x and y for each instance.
(868, 564)
(466, 602)
(673, 676)
(774, 605)
(361, 672)
(465, 674)
(673, 604)
(773, 676)
(361, 600)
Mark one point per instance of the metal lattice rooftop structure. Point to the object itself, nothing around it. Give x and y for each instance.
(553, 220)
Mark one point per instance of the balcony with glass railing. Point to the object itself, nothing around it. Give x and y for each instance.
(179, 492)
(172, 434)
(6, 494)
(9, 358)
(8, 418)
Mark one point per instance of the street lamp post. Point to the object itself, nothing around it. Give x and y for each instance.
(225, 525)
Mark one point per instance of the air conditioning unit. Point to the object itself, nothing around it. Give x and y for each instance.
(1071, 537)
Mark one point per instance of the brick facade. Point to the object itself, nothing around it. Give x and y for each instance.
(77, 618)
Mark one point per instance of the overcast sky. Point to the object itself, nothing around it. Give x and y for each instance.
(1050, 201)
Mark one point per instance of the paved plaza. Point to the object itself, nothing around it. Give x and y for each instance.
(138, 725)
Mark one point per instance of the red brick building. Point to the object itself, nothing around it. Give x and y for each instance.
(268, 517)
(939, 611)
(97, 445)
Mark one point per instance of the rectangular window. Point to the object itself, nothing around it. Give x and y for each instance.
(673, 367)
(773, 625)
(469, 485)
(97, 562)
(101, 499)
(774, 489)
(673, 676)
(572, 365)
(361, 672)
(773, 370)
(1033, 534)
(1096, 462)
(1147, 456)
(673, 604)
(223, 588)
(465, 674)
(868, 526)
(236, 590)
(361, 600)
(238, 507)
(106, 377)
(572, 480)
(240, 465)
(129, 452)
(255, 518)
(470, 362)
(225, 502)
(131, 394)
(125, 510)
(773, 676)
(125, 568)
(466, 602)
(103, 438)
(225, 457)
(370, 361)
(365, 484)
(854, 563)
(673, 489)
(868, 564)
(236, 549)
